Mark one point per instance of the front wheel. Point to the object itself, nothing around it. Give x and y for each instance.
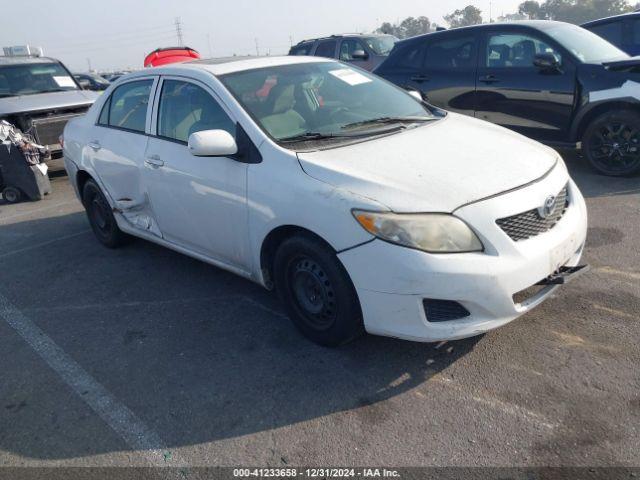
(11, 195)
(611, 143)
(317, 292)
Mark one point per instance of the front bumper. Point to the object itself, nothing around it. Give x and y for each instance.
(393, 281)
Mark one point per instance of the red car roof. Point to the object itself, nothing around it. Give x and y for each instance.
(168, 55)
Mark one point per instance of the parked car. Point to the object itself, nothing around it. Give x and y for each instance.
(168, 55)
(621, 30)
(364, 207)
(551, 81)
(364, 51)
(39, 95)
(92, 81)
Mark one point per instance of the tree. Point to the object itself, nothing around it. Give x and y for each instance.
(573, 11)
(512, 17)
(409, 27)
(469, 15)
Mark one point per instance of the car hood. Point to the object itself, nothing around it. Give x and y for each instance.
(437, 167)
(47, 101)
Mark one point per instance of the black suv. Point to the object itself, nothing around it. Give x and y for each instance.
(622, 30)
(364, 51)
(552, 81)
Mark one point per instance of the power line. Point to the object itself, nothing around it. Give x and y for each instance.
(178, 24)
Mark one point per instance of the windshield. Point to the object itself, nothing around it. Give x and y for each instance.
(586, 46)
(32, 78)
(322, 99)
(381, 45)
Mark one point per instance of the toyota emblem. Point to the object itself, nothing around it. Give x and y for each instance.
(549, 206)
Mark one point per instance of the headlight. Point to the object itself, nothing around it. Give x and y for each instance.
(431, 232)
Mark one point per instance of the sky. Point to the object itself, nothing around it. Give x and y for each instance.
(116, 34)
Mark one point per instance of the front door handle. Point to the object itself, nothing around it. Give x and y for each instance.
(154, 161)
(95, 145)
(420, 78)
(489, 79)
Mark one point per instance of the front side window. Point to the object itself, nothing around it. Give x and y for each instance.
(32, 78)
(186, 108)
(349, 46)
(326, 49)
(127, 106)
(515, 51)
(452, 54)
(322, 99)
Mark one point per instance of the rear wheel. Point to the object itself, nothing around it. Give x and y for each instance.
(317, 292)
(11, 195)
(101, 218)
(611, 143)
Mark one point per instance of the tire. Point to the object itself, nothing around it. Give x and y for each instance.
(611, 143)
(317, 292)
(11, 195)
(101, 218)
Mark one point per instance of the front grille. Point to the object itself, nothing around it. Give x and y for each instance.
(443, 310)
(531, 223)
(47, 130)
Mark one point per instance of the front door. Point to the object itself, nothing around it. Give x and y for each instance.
(200, 202)
(512, 92)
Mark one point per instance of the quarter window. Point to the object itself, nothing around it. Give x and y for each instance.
(453, 53)
(516, 51)
(186, 108)
(326, 49)
(127, 107)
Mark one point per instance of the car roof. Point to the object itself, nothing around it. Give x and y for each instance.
(25, 60)
(222, 66)
(342, 35)
(612, 18)
(534, 24)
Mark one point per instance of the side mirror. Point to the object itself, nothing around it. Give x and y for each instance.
(85, 84)
(212, 143)
(546, 61)
(416, 94)
(360, 55)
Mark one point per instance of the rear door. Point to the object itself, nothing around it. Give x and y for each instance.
(200, 202)
(448, 78)
(118, 144)
(512, 92)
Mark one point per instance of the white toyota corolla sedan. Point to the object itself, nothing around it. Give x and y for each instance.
(365, 208)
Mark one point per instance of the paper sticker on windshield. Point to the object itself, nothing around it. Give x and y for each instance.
(64, 81)
(350, 76)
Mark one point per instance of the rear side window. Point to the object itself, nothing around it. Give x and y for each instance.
(411, 57)
(127, 107)
(326, 49)
(454, 53)
(186, 108)
(612, 32)
(635, 28)
(304, 49)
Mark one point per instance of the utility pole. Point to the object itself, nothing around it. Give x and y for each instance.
(209, 43)
(290, 40)
(178, 24)
(89, 63)
(257, 48)
(490, 12)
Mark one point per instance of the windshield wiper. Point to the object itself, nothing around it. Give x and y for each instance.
(385, 120)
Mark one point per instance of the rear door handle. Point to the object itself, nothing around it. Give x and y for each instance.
(420, 78)
(95, 145)
(489, 79)
(154, 161)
